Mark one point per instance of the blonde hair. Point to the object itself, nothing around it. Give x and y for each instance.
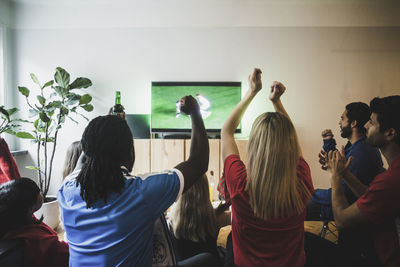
(73, 153)
(273, 155)
(194, 217)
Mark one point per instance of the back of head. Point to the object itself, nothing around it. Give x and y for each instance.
(388, 110)
(273, 154)
(194, 218)
(17, 198)
(108, 144)
(360, 112)
(73, 153)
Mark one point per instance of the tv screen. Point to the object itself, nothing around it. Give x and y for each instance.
(216, 100)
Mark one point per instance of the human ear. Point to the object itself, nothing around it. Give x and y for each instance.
(390, 134)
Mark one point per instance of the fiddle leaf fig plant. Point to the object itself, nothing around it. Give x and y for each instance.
(57, 100)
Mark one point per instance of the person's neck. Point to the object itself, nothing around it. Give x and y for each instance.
(391, 152)
(354, 137)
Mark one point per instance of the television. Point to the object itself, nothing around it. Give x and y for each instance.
(216, 101)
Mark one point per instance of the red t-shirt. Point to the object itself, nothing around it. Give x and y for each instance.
(381, 205)
(41, 246)
(259, 242)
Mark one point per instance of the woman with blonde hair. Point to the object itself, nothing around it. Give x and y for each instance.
(73, 153)
(195, 223)
(269, 193)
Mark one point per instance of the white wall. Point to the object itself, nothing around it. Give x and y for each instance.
(341, 53)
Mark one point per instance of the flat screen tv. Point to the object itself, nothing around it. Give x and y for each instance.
(216, 100)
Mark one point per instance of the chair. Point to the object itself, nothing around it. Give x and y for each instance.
(164, 251)
(325, 229)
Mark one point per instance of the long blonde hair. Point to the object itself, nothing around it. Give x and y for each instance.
(73, 153)
(194, 217)
(273, 155)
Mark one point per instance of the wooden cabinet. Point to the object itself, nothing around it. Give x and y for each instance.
(152, 155)
(166, 153)
(214, 171)
(142, 156)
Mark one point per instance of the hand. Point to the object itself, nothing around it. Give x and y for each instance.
(255, 81)
(323, 160)
(189, 105)
(277, 89)
(327, 134)
(337, 163)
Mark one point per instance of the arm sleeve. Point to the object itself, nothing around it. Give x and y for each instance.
(235, 175)
(304, 173)
(161, 189)
(381, 200)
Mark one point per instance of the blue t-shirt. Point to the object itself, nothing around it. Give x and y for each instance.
(119, 232)
(367, 163)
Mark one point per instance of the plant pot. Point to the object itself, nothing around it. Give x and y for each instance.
(50, 211)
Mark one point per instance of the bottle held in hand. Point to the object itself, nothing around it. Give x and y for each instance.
(118, 109)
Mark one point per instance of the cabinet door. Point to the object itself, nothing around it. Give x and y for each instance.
(242, 147)
(142, 156)
(166, 153)
(213, 172)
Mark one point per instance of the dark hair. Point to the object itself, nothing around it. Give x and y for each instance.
(387, 110)
(73, 153)
(17, 197)
(108, 144)
(359, 112)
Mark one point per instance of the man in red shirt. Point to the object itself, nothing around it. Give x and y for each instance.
(379, 204)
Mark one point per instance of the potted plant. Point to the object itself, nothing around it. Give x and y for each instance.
(57, 100)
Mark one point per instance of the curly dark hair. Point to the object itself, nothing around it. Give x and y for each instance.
(388, 110)
(108, 144)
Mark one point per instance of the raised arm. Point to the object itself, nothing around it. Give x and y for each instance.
(277, 90)
(228, 144)
(197, 163)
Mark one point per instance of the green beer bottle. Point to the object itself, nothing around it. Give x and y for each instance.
(118, 109)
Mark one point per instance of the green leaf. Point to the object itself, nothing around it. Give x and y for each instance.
(88, 107)
(49, 83)
(80, 83)
(44, 117)
(35, 79)
(32, 168)
(55, 104)
(41, 99)
(72, 119)
(9, 131)
(11, 111)
(4, 111)
(85, 99)
(62, 120)
(60, 90)
(62, 77)
(33, 112)
(24, 91)
(25, 135)
(71, 101)
(64, 111)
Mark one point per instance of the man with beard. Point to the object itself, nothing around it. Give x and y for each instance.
(366, 165)
(379, 204)
(357, 246)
